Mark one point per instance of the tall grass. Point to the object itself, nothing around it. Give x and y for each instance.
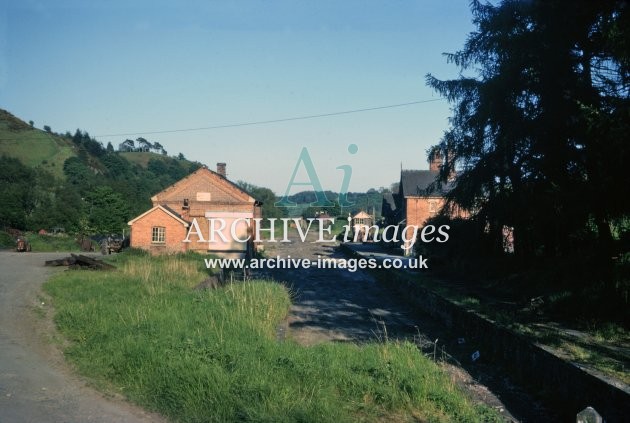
(212, 356)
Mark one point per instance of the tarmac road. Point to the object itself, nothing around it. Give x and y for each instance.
(36, 384)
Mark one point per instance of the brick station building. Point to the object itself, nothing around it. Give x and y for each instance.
(201, 195)
(415, 202)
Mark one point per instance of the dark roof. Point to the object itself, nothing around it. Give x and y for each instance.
(174, 212)
(417, 183)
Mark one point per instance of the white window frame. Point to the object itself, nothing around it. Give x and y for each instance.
(158, 235)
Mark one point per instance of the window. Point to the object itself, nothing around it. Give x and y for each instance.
(185, 203)
(158, 234)
(432, 206)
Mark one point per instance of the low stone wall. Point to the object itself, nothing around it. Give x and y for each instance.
(568, 387)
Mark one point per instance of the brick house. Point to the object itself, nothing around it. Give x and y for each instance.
(200, 196)
(415, 201)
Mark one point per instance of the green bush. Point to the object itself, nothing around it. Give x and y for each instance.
(6, 240)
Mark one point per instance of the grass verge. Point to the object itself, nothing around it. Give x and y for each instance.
(52, 243)
(205, 356)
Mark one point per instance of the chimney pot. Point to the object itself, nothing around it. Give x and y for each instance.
(436, 161)
(221, 169)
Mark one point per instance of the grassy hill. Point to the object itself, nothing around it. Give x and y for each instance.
(74, 181)
(48, 151)
(32, 146)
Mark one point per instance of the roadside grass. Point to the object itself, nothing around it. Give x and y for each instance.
(52, 243)
(212, 356)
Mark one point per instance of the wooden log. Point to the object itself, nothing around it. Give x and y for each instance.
(90, 262)
(66, 261)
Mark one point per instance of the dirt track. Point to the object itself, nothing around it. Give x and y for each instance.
(36, 384)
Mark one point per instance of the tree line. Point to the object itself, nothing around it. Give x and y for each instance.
(539, 139)
(142, 145)
(539, 131)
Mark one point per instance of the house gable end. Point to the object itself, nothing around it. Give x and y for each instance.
(203, 186)
(162, 212)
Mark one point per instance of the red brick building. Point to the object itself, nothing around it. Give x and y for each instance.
(200, 196)
(415, 201)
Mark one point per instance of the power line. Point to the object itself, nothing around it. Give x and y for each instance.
(263, 122)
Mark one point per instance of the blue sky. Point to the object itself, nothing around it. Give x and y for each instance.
(112, 67)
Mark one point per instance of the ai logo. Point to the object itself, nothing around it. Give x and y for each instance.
(322, 200)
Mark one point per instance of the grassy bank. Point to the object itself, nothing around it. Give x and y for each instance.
(212, 355)
(598, 345)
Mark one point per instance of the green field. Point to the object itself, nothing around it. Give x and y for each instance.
(204, 356)
(33, 147)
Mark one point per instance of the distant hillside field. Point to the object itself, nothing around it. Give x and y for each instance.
(37, 148)
(73, 181)
(32, 146)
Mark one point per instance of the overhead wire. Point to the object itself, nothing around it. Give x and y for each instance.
(264, 122)
(261, 122)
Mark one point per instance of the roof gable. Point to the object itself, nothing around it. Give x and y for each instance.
(362, 215)
(167, 210)
(204, 181)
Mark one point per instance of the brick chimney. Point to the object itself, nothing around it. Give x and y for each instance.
(435, 161)
(221, 169)
(450, 159)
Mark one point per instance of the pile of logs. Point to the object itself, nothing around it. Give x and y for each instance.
(75, 261)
